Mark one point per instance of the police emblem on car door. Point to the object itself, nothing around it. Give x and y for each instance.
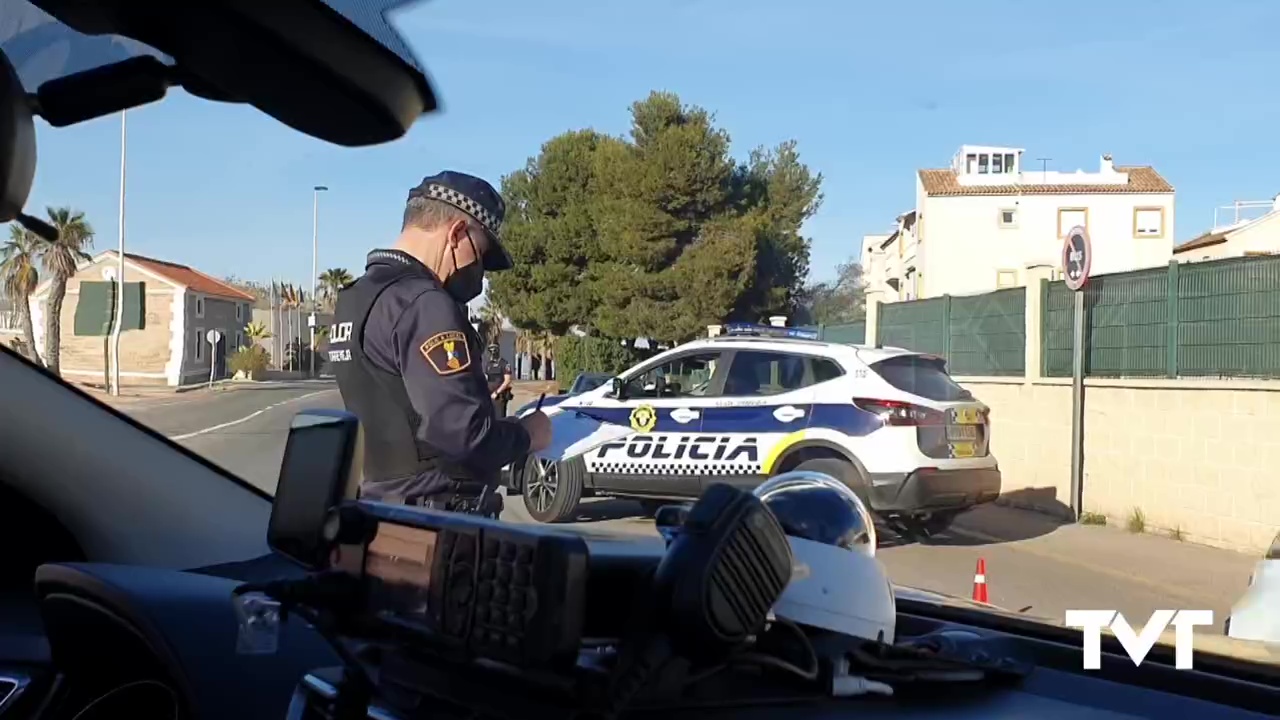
(662, 455)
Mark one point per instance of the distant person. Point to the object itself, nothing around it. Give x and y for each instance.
(401, 347)
(498, 373)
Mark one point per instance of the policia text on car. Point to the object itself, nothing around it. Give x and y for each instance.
(402, 349)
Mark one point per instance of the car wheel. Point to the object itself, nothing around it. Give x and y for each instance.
(841, 470)
(552, 489)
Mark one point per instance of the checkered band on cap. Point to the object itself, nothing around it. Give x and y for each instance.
(464, 203)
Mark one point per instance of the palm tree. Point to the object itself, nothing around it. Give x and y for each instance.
(19, 276)
(61, 259)
(256, 332)
(331, 281)
(537, 343)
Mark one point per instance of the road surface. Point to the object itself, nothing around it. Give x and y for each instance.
(1032, 563)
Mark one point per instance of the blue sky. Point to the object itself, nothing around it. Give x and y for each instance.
(872, 91)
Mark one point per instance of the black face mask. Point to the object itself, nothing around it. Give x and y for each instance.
(466, 284)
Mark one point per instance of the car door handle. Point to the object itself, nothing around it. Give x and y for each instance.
(684, 415)
(786, 413)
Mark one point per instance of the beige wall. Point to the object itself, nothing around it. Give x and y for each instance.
(143, 353)
(1195, 456)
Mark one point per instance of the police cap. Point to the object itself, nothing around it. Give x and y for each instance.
(476, 198)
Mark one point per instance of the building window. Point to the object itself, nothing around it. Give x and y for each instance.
(199, 343)
(239, 341)
(1009, 218)
(1071, 217)
(199, 306)
(982, 164)
(239, 311)
(1008, 163)
(1006, 279)
(969, 160)
(1148, 222)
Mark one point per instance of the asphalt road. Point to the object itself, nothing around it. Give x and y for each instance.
(1032, 563)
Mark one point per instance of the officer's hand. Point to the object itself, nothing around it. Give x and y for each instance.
(538, 425)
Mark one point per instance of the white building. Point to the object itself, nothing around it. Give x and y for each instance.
(889, 262)
(1241, 237)
(981, 222)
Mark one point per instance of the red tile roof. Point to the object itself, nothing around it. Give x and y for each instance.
(1204, 240)
(193, 279)
(1142, 179)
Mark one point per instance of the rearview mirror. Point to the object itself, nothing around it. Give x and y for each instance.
(618, 388)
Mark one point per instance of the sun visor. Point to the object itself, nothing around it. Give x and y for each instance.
(17, 144)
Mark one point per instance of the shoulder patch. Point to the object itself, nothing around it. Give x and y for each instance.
(447, 352)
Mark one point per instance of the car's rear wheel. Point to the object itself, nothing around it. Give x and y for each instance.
(552, 489)
(841, 470)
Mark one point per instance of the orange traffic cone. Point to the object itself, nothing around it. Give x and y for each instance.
(980, 581)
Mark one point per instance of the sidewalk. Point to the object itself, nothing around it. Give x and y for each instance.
(1184, 572)
(145, 394)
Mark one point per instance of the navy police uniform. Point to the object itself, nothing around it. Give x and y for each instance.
(404, 353)
(496, 369)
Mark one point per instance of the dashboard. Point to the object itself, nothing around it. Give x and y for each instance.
(111, 625)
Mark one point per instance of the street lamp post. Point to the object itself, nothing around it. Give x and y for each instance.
(315, 270)
(119, 318)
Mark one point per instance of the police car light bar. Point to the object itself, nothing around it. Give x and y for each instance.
(750, 329)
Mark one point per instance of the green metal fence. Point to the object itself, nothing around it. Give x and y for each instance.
(1206, 319)
(978, 334)
(854, 333)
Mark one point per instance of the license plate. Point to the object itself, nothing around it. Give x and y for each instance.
(967, 416)
(965, 433)
(962, 450)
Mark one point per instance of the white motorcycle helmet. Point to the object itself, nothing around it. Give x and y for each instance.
(837, 584)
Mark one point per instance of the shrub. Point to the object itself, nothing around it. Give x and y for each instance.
(575, 355)
(251, 361)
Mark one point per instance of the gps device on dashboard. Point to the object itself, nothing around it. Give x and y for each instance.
(321, 468)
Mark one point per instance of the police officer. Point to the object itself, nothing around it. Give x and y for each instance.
(402, 349)
(497, 371)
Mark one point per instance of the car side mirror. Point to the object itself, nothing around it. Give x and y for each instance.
(618, 389)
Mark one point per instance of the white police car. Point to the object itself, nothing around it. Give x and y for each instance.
(759, 401)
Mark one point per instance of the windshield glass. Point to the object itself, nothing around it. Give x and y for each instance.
(855, 198)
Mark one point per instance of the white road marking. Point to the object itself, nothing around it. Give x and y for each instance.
(248, 417)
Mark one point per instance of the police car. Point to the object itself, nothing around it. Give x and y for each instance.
(758, 401)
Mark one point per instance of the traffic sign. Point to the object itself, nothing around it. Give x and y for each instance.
(213, 336)
(1077, 257)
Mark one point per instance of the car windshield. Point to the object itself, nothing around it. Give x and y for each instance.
(955, 284)
(587, 382)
